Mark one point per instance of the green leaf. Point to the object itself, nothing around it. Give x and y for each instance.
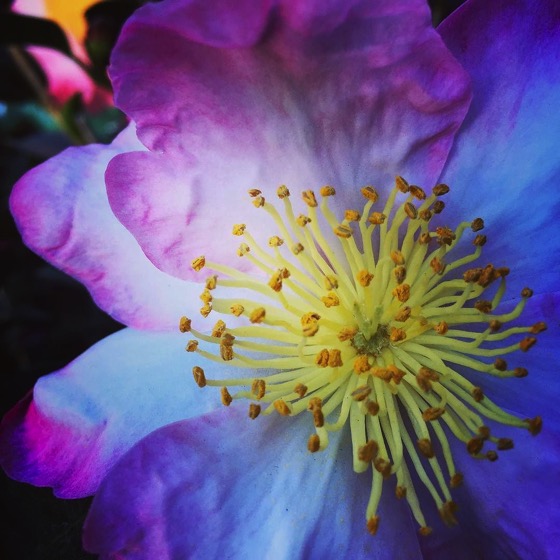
(16, 29)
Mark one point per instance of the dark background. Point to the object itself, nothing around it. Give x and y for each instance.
(47, 318)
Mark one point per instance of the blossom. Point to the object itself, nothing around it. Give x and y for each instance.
(65, 77)
(301, 94)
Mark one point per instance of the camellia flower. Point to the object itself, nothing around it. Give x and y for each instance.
(361, 332)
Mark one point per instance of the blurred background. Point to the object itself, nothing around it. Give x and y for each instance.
(54, 93)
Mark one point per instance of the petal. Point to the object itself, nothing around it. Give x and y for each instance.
(80, 420)
(62, 212)
(224, 486)
(369, 93)
(505, 163)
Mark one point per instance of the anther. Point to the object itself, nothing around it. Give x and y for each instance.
(456, 480)
(218, 329)
(361, 393)
(382, 466)
(258, 315)
(400, 274)
(368, 452)
(310, 323)
(437, 265)
(335, 358)
(370, 193)
(275, 241)
(206, 296)
(259, 201)
(198, 263)
(445, 235)
(309, 198)
(425, 215)
(397, 374)
(226, 347)
(495, 325)
(480, 240)
(397, 257)
(275, 281)
(226, 397)
(373, 524)
(538, 328)
(301, 390)
(424, 238)
(484, 432)
(282, 407)
(322, 358)
(282, 191)
(440, 190)
(432, 413)
(352, 216)
(297, 248)
(238, 229)
(504, 444)
(364, 278)
(372, 407)
(397, 335)
(346, 333)
(526, 293)
(313, 443)
(403, 314)
(377, 218)
(254, 410)
(492, 455)
(410, 210)
(191, 346)
(258, 388)
(211, 282)
(205, 310)
(184, 324)
(302, 220)
(483, 305)
(254, 192)
(400, 492)
(447, 513)
(402, 292)
(381, 373)
(343, 231)
(477, 224)
(527, 343)
(520, 372)
(401, 184)
(441, 327)
(331, 283)
(330, 300)
(417, 192)
(500, 364)
(425, 447)
(243, 250)
(327, 190)
(237, 309)
(535, 425)
(477, 394)
(361, 364)
(424, 378)
(425, 531)
(438, 207)
(199, 377)
(474, 445)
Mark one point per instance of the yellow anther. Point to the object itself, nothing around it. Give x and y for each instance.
(410, 210)
(211, 282)
(254, 410)
(361, 393)
(361, 364)
(381, 373)
(199, 377)
(275, 281)
(527, 343)
(243, 249)
(364, 278)
(313, 443)
(438, 207)
(258, 388)
(330, 300)
(335, 358)
(437, 265)
(343, 231)
(259, 201)
(258, 315)
(425, 215)
(327, 190)
(205, 310)
(297, 248)
(226, 397)
(237, 309)
(352, 216)
(401, 184)
(238, 229)
(441, 327)
(440, 190)
(402, 292)
(219, 328)
(282, 191)
(310, 323)
(397, 257)
(445, 235)
(372, 407)
(373, 524)
(425, 447)
(377, 218)
(301, 390)
(538, 328)
(424, 378)
(424, 238)
(184, 324)
(206, 296)
(347, 333)
(432, 413)
(417, 192)
(483, 305)
(403, 314)
(275, 241)
(368, 452)
(330, 282)
(396, 373)
(198, 263)
(400, 274)
(226, 351)
(282, 407)
(302, 220)
(254, 192)
(309, 198)
(192, 346)
(397, 335)
(382, 466)
(314, 403)
(370, 193)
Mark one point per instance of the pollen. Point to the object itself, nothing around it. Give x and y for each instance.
(374, 318)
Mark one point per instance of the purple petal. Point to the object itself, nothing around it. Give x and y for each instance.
(80, 420)
(62, 212)
(504, 163)
(225, 486)
(367, 93)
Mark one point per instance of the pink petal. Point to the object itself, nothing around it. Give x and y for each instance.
(62, 212)
(370, 93)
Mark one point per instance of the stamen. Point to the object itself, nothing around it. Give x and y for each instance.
(364, 323)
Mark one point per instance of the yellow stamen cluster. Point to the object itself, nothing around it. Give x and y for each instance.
(369, 324)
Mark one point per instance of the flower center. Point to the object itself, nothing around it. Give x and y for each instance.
(371, 322)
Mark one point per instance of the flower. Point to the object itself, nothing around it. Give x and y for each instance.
(65, 77)
(303, 94)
